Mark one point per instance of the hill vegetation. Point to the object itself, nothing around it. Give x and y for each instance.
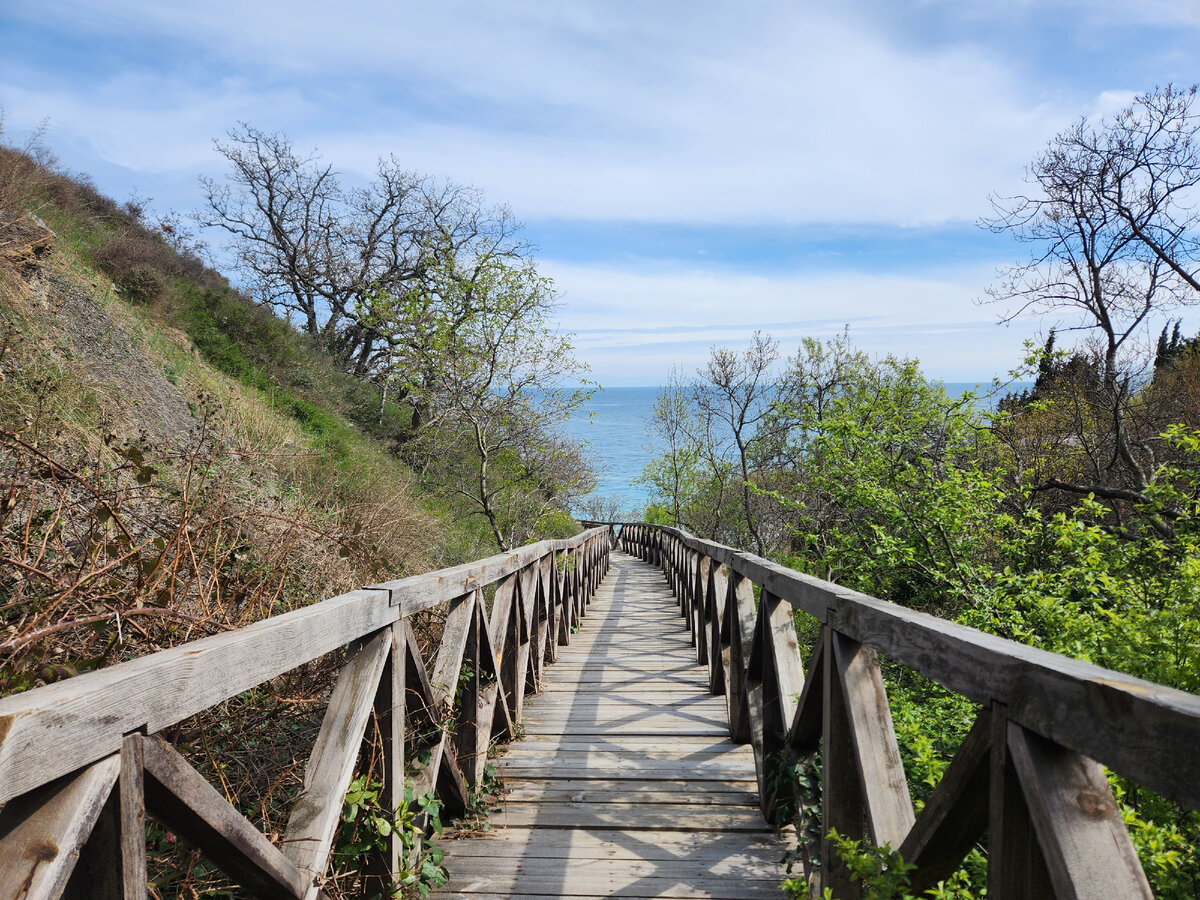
(176, 460)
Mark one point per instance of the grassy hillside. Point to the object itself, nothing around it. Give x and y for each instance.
(176, 461)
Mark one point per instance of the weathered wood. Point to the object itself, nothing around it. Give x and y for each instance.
(643, 762)
(774, 681)
(419, 592)
(1016, 866)
(842, 804)
(41, 833)
(956, 814)
(805, 733)
(97, 874)
(131, 789)
(699, 606)
(315, 816)
(885, 788)
(715, 605)
(460, 621)
(1137, 728)
(185, 802)
(1087, 850)
(495, 719)
(737, 635)
(87, 718)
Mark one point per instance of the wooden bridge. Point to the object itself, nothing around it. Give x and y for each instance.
(660, 707)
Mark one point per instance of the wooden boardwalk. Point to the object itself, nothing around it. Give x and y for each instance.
(626, 783)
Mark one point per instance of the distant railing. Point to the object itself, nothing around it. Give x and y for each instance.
(82, 761)
(1028, 774)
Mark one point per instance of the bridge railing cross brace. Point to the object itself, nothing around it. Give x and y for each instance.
(84, 760)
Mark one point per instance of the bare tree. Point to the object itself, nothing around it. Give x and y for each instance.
(321, 253)
(673, 422)
(1111, 240)
(736, 390)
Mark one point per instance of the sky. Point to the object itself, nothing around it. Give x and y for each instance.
(690, 171)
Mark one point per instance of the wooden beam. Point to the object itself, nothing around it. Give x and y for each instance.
(314, 818)
(842, 805)
(885, 787)
(390, 721)
(737, 636)
(42, 832)
(1016, 866)
(97, 874)
(804, 736)
(86, 718)
(1087, 850)
(131, 788)
(716, 600)
(455, 632)
(185, 802)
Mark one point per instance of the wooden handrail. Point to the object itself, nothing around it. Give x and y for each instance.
(1028, 774)
(81, 760)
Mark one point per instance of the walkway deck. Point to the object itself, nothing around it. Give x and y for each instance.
(626, 783)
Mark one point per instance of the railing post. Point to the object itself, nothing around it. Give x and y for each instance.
(842, 807)
(699, 626)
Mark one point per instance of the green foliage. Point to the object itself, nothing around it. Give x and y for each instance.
(367, 828)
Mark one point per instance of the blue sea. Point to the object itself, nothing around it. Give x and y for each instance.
(615, 426)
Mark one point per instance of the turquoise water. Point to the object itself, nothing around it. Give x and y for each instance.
(615, 426)
(615, 423)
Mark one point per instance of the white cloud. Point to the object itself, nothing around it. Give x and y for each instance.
(633, 327)
(653, 112)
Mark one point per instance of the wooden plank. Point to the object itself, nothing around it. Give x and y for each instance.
(86, 718)
(700, 598)
(842, 804)
(956, 814)
(1079, 827)
(459, 621)
(181, 799)
(42, 833)
(716, 600)
(314, 818)
(563, 885)
(1016, 865)
(97, 873)
(737, 635)
(131, 789)
(627, 755)
(546, 843)
(804, 735)
(885, 787)
(595, 816)
(493, 700)
(419, 592)
(659, 750)
(699, 870)
(632, 792)
(692, 868)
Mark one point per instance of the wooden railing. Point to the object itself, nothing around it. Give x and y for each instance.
(83, 761)
(1028, 775)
